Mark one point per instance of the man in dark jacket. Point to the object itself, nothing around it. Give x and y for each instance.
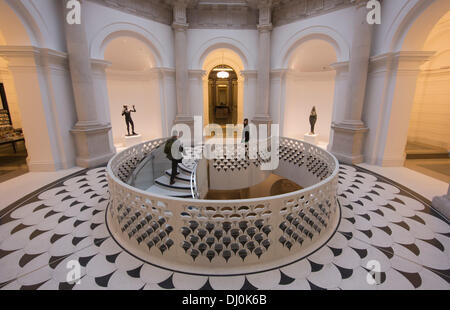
(174, 151)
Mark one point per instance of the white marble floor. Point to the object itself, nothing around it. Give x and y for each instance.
(383, 226)
(422, 184)
(14, 189)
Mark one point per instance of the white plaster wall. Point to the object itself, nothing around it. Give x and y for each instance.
(11, 27)
(335, 26)
(303, 91)
(62, 114)
(392, 14)
(203, 41)
(42, 21)
(431, 110)
(102, 22)
(47, 15)
(138, 90)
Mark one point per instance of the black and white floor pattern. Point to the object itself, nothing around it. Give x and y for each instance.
(383, 225)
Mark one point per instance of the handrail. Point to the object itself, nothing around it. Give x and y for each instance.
(194, 189)
(117, 179)
(140, 167)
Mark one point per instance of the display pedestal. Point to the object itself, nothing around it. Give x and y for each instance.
(313, 139)
(132, 140)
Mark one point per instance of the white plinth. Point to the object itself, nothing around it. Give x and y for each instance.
(132, 140)
(313, 139)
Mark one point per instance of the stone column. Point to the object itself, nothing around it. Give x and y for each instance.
(278, 96)
(250, 78)
(262, 115)
(196, 78)
(388, 110)
(100, 80)
(168, 98)
(349, 134)
(340, 95)
(180, 26)
(91, 135)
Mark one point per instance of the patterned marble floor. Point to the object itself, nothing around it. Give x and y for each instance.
(383, 223)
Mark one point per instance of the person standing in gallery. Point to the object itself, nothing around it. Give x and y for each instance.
(174, 151)
(246, 132)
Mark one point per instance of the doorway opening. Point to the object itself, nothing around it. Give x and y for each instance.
(223, 96)
(13, 153)
(428, 145)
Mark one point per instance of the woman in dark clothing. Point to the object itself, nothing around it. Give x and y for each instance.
(246, 133)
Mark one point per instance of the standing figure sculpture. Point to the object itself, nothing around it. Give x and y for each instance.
(128, 119)
(313, 120)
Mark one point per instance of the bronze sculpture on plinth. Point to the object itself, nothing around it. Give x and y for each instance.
(313, 120)
(129, 120)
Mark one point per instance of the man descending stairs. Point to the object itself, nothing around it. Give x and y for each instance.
(180, 189)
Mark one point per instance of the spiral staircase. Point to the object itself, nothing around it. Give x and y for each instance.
(181, 188)
(176, 228)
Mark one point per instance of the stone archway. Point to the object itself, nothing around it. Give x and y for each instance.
(223, 96)
(389, 104)
(310, 82)
(133, 79)
(46, 111)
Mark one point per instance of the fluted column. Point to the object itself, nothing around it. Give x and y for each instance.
(350, 132)
(180, 26)
(91, 135)
(262, 115)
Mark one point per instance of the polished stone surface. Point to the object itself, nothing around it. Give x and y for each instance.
(383, 225)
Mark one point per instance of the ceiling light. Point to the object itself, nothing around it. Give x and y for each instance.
(223, 75)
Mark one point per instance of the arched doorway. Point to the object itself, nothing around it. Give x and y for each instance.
(393, 80)
(428, 142)
(223, 95)
(214, 60)
(133, 80)
(310, 82)
(37, 92)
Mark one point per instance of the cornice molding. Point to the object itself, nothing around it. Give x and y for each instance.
(406, 61)
(249, 74)
(31, 56)
(311, 76)
(156, 10)
(123, 75)
(290, 11)
(237, 14)
(340, 67)
(197, 74)
(278, 73)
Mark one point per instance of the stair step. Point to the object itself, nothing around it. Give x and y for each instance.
(181, 176)
(165, 181)
(164, 191)
(416, 150)
(184, 168)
